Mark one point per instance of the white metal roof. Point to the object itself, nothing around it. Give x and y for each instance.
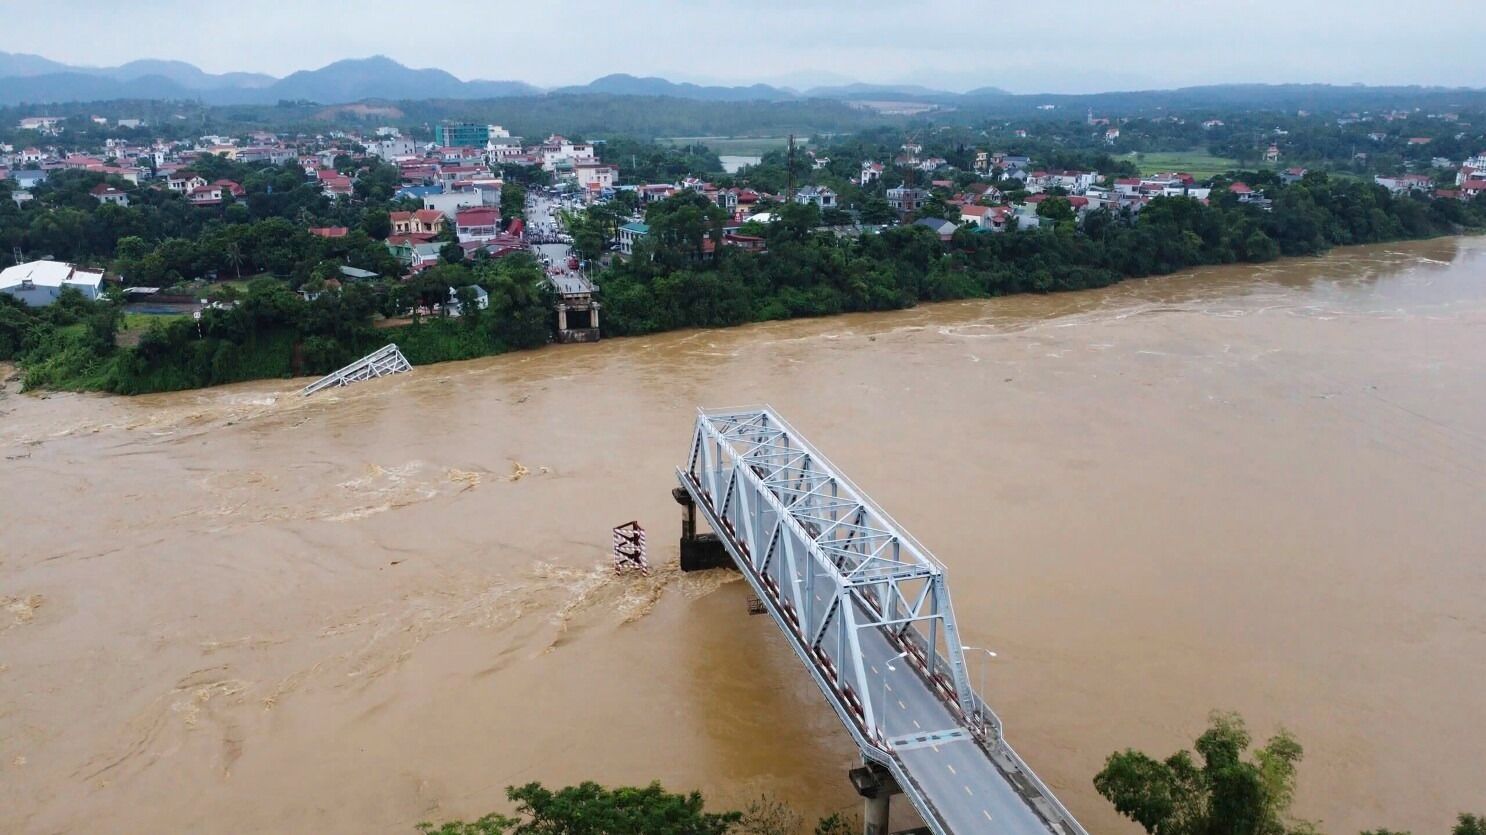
(49, 274)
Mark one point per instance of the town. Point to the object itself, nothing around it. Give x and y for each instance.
(175, 228)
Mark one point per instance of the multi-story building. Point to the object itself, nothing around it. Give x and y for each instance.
(461, 135)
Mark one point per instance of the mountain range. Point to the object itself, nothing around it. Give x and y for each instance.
(34, 79)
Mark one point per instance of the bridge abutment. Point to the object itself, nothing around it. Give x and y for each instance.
(699, 552)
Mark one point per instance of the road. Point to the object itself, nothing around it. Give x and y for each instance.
(965, 786)
(541, 219)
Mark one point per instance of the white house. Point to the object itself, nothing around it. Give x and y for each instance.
(629, 233)
(821, 196)
(39, 283)
(450, 202)
(595, 175)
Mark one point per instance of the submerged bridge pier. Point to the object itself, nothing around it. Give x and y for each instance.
(866, 608)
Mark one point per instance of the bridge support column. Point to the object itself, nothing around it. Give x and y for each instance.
(699, 552)
(876, 786)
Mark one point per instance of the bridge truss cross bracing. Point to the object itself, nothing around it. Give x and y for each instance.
(856, 594)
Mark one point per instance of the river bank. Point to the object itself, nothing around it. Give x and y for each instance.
(278, 352)
(1253, 487)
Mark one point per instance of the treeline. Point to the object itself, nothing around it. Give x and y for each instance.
(675, 282)
(271, 331)
(65, 222)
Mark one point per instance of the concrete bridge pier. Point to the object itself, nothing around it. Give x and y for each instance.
(876, 786)
(699, 552)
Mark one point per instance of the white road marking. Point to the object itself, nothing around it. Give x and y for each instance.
(901, 705)
(917, 725)
(967, 790)
(950, 767)
(987, 814)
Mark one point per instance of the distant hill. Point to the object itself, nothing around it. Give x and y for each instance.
(379, 77)
(620, 84)
(37, 80)
(34, 79)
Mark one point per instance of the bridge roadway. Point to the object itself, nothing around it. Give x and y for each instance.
(967, 790)
(879, 618)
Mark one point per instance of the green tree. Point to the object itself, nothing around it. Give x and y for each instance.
(1224, 795)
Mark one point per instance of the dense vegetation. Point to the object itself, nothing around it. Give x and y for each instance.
(672, 283)
(591, 809)
(1224, 793)
(272, 331)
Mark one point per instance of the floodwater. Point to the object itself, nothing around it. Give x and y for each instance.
(733, 163)
(1250, 488)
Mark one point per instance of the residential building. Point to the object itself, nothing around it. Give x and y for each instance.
(39, 283)
(417, 255)
(595, 175)
(449, 203)
(1291, 176)
(206, 195)
(422, 222)
(945, 229)
(184, 181)
(629, 233)
(479, 225)
(975, 215)
(1401, 183)
(560, 152)
(821, 196)
(105, 193)
(905, 200)
(871, 172)
(45, 124)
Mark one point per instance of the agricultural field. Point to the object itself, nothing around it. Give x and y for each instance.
(751, 146)
(1199, 164)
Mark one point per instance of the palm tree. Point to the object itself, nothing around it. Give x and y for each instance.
(234, 254)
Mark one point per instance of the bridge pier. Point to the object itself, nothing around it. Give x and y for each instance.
(699, 552)
(876, 786)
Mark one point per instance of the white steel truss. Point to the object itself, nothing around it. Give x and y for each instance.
(829, 565)
(385, 360)
(833, 560)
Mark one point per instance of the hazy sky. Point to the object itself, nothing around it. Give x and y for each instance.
(1050, 46)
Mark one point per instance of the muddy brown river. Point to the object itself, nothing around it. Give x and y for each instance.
(1250, 488)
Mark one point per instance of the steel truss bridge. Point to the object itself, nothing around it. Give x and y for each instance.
(867, 609)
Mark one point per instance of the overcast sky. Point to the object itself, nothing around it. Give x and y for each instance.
(1049, 46)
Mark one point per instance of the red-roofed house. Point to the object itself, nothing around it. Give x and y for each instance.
(330, 231)
(477, 225)
(105, 193)
(976, 215)
(210, 195)
(1471, 189)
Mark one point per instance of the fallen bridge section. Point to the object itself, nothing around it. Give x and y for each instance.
(385, 360)
(867, 609)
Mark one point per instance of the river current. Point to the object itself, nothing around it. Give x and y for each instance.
(1256, 488)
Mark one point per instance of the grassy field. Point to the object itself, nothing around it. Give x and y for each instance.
(750, 146)
(1199, 164)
